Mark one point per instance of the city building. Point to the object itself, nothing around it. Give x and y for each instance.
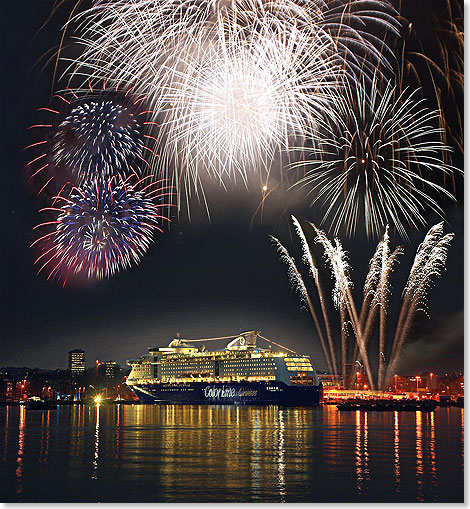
(77, 362)
(109, 370)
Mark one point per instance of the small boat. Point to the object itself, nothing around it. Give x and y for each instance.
(381, 405)
(40, 404)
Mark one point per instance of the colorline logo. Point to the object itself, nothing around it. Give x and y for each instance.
(227, 392)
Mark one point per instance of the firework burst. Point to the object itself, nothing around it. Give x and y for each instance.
(101, 228)
(136, 40)
(91, 134)
(232, 84)
(380, 163)
(236, 107)
(97, 138)
(434, 61)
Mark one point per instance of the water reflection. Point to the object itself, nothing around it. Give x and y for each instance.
(419, 455)
(281, 465)
(45, 436)
(396, 451)
(359, 466)
(432, 454)
(462, 428)
(118, 432)
(7, 420)
(174, 453)
(94, 475)
(362, 450)
(366, 447)
(19, 460)
(255, 467)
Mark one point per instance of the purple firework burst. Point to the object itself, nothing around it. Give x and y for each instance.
(101, 228)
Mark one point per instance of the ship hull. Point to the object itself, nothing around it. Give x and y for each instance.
(229, 393)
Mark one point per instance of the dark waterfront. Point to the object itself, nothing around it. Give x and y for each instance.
(147, 453)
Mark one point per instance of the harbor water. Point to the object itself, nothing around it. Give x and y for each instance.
(190, 453)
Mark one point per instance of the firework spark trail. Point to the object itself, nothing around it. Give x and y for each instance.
(422, 255)
(429, 263)
(297, 283)
(337, 259)
(308, 260)
(376, 164)
(375, 299)
(383, 292)
(445, 70)
(343, 317)
(368, 294)
(101, 228)
(364, 53)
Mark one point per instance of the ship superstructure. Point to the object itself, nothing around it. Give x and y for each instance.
(242, 372)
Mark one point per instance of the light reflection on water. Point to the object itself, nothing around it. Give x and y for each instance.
(396, 451)
(173, 453)
(419, 455)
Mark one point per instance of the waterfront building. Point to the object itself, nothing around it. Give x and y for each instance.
(109, 370)
(77, 362)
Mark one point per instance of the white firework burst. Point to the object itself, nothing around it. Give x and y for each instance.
(380, 164)
(242, 101)
(232, 82)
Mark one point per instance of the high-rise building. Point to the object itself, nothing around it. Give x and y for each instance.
(77, 362)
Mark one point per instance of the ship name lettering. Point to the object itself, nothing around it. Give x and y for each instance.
(219, 392)
(247, 392)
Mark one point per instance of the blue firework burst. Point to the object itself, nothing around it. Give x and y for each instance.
(98, 138)
(101, 228)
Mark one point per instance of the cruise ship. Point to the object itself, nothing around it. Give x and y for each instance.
(242, 373)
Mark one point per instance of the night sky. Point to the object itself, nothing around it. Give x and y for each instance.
(203, 278)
